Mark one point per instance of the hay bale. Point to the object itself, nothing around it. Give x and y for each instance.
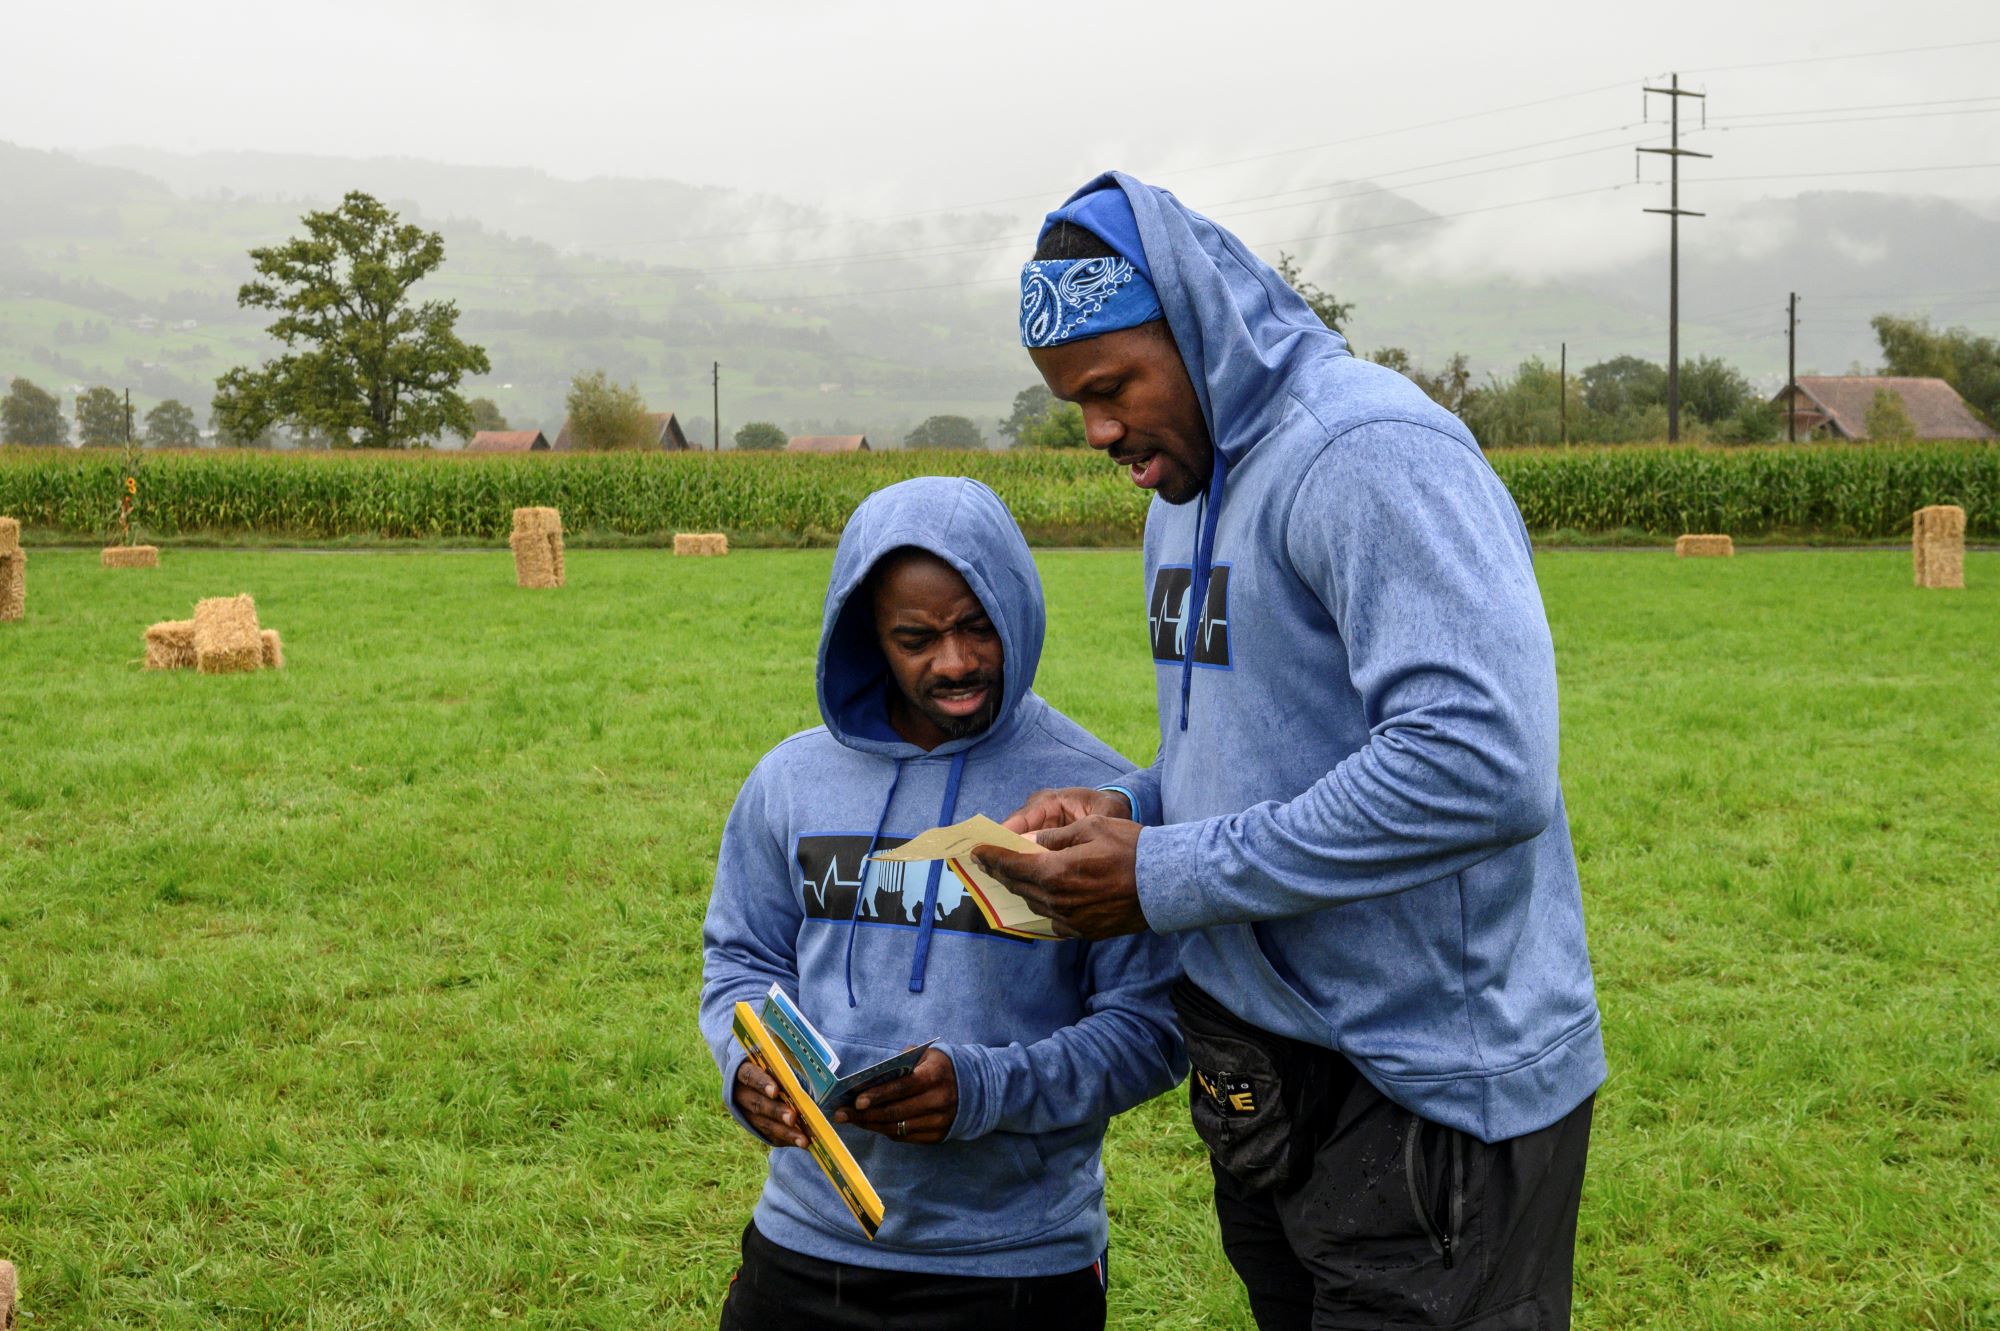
(130, 556)
(700, 543)
(1937, 545)
(170, 645)
(1704, 547)
(274, 649)
(537, 519)
(226, 636)
(10, 535)
(556, 554)
(13, 584)
(534, 560)
(10, 1294)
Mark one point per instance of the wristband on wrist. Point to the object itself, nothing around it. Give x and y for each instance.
(1131, 800)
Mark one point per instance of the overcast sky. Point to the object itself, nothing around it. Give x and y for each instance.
(896, 106)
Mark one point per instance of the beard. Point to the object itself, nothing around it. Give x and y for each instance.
(958, 727)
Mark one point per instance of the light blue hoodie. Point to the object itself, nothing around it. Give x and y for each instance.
(1048, 1040)
(1356, 827)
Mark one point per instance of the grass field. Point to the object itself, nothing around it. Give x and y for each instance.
(362, 994)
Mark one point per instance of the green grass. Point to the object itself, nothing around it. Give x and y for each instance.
(362, 994)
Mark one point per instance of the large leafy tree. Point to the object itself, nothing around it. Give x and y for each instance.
(100, 418)
(1624, 384)
(172, 425)
(363, 360)
(1713, 390)
(1030, 404)
(1060, 426)
(1968, 362)
(31, 415)
(485, 415)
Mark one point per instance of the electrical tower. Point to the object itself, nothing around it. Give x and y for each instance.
(1673, 92)
(1792, 370)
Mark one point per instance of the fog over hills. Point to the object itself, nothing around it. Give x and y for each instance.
(120, 266)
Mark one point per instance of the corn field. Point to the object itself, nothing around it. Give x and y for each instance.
(1834, 491)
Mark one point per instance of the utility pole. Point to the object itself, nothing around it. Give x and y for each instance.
(1792, 371)
(1562, 392)
(715, 406)
(1674, 92)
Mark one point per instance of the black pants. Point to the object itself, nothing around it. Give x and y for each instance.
(780, 1290)
(1404, 1223)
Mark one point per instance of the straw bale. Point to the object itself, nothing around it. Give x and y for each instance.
(226, 637)
(1937, 545)
(1700, 547)
(14, 584)
(274, 649)
(700, 543)
(534, 560)
(537, 519)
(130, 556)
(10, 1294)
(170, 645)
(10, 535)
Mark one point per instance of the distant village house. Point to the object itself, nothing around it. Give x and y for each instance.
(507, 441)
(828, 443)
(665, 433)
(1835, 406)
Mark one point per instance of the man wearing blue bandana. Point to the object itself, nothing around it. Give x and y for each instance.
(1354, 827)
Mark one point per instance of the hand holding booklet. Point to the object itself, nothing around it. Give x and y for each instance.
(782, 1042)
(1004, 910)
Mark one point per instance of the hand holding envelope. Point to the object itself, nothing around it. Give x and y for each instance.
(1075, 881)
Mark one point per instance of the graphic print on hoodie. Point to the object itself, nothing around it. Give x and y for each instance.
(1355, 825)
(1048, 1040)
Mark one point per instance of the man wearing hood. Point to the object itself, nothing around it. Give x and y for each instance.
(1354, 825)
(986, 1157)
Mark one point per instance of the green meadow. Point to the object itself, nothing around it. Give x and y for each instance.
(362, 994)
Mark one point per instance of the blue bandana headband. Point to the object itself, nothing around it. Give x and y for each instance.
(1064, 300)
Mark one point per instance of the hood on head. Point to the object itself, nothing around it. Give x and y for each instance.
(1242, 332)
(963, 523)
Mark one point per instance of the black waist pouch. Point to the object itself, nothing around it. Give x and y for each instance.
(1257, 1099)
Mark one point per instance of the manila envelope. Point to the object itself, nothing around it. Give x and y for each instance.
(1005, 912)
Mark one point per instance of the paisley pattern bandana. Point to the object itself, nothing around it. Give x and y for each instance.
(1063, 300)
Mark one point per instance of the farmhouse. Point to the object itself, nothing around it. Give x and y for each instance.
(507, 441)
(666, 433)
(1835, 406)
(828, 443)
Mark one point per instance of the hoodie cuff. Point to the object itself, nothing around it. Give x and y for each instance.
(972, 1068)
(1170, 877)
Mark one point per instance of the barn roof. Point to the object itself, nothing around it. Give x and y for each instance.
(506, 441)
(666, 432)
(828, 443)
(1842, 400)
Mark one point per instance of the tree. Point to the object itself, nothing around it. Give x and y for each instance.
(226, 437)
(1333, 313)
(1526, 409)
(604, 415)
(100, 418)
(945, 432)
(1451, 387)
(762, 436)
(171, 425)
(1624, 384)
(1755, 422)
(1713, 391)
(1969, 363)
(29, 415)
(1061, 426)
(362, 361)
(485, 413)
(1887, 418)
(1030, 404)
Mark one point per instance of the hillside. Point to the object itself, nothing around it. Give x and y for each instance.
(121, 267)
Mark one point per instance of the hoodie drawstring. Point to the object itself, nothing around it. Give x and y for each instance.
(854, 917)
(1204, 558)
(947, 812)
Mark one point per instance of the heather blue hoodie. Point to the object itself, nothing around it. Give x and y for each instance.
(1048, 1039)
(1356, 828)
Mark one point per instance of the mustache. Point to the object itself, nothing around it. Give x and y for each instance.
(980, 679)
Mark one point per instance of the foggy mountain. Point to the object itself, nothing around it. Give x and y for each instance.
(121, 267)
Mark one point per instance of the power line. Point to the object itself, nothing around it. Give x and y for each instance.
(1842, 110)
(1852, 55)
